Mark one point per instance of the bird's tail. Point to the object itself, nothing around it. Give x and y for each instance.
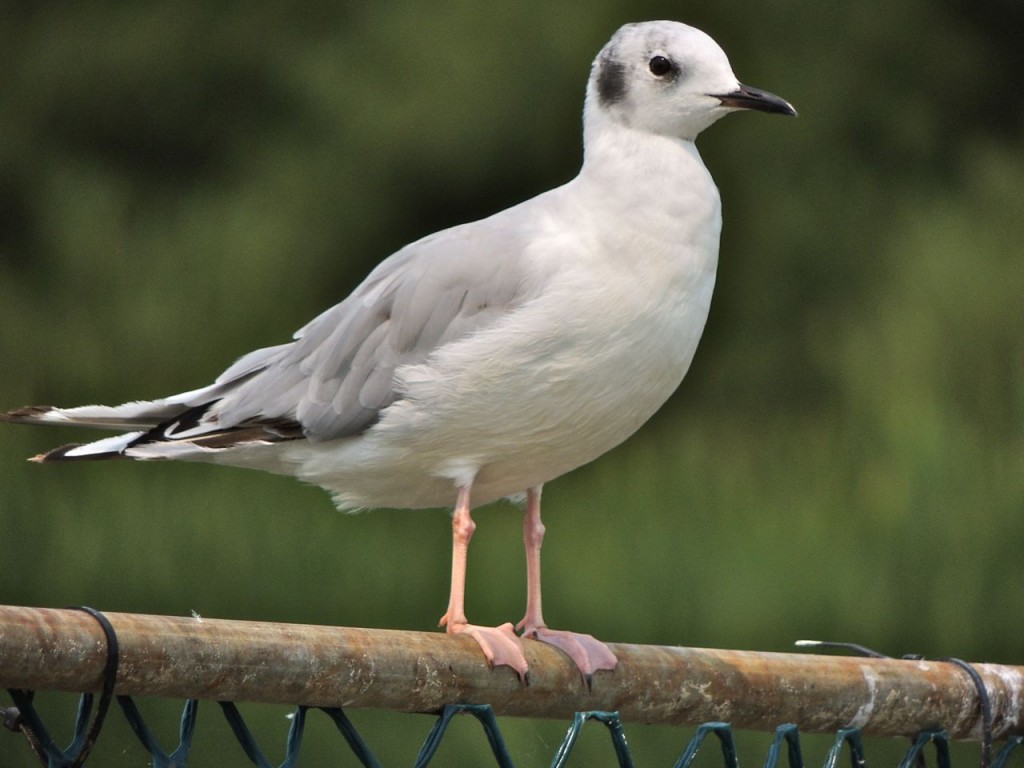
(158, 429)
(184, 426)
(134, 419)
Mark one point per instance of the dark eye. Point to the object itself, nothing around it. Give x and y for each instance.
(660, 66)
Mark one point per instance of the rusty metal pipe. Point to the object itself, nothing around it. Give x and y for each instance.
(64, 650)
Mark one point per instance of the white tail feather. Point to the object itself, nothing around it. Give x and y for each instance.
(128, 416)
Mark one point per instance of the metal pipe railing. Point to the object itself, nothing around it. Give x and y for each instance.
(65, 650)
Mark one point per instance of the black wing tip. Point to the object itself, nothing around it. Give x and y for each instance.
(26, 415)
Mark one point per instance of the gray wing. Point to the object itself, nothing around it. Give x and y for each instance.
(338, 374)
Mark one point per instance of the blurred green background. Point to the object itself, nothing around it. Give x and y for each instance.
(181, 182)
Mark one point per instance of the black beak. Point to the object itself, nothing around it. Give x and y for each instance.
(746, 97)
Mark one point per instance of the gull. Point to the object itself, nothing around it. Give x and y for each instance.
(487, 359)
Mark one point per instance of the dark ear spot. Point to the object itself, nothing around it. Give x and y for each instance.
(611, 82)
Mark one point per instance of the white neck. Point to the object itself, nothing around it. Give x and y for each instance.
(659, 178)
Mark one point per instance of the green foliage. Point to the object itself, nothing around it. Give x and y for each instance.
(182, 182)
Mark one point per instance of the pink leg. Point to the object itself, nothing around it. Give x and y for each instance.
(588, 653)
(499, 644)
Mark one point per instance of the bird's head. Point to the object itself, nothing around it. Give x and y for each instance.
(669, 79)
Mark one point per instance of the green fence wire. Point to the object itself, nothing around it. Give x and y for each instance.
(785, 747)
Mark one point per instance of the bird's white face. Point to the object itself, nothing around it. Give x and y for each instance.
(661, 77)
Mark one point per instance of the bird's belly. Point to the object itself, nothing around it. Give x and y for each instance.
(573, 419)
(576, 423)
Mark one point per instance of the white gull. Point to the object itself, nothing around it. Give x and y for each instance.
(487, 359)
